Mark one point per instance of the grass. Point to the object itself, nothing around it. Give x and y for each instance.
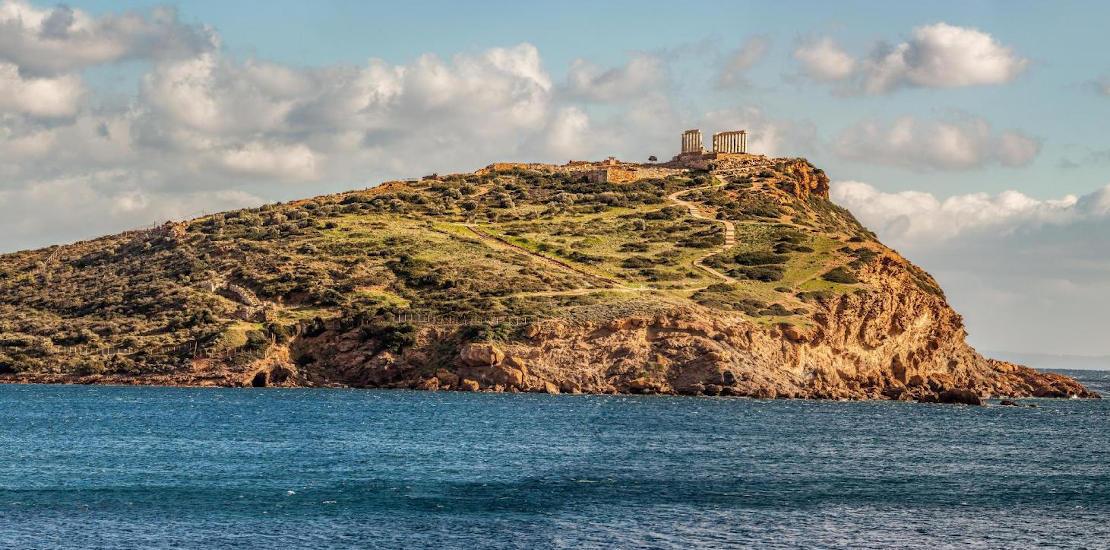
(345, 260)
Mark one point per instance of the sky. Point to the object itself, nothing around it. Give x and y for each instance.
(969, 135)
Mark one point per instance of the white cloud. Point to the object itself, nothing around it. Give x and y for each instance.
(62, 39)
(564, 136)
(920, 219)
(44, 97)
(102, 202)
(936, 56)
(282, 162)
(732, 71)
(824, 61)
(642, 74)
(957, 144)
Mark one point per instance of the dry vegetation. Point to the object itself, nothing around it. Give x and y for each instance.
(230, 286)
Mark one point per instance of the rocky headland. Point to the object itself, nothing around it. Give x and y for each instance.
(737, 279)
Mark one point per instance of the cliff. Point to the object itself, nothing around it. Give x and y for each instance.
(740, 280)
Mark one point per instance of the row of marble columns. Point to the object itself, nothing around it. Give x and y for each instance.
(691, 141)
(730, 142)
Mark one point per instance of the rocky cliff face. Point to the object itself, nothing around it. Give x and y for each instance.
(898, 343)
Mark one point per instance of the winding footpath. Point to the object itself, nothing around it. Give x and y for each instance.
(730, 232)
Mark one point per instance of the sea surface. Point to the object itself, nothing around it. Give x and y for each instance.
(136, 467)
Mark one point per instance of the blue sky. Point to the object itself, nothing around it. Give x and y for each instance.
(969, 135)
(1049, 101)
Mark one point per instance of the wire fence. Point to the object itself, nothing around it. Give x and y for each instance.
(464, 320)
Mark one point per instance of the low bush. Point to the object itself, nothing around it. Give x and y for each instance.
(764, 273)
(760, 258)
(840, 275)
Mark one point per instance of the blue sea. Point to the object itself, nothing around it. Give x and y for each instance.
(139, 467)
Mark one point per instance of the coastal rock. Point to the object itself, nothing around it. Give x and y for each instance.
(480, 354)
(447, 378)
(959, 397)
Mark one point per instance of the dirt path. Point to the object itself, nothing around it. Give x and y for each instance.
(597, 279)
(730, 232)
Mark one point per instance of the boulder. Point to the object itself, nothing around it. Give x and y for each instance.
(959, 397)
(517, 363)
(447, 378)
(469, 385)
(1008, 403)
(483, 354)
(507, 376)
(548, 387)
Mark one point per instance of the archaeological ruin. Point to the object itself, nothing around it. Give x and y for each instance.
(730, 149)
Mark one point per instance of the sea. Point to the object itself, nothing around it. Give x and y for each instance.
(214, 468)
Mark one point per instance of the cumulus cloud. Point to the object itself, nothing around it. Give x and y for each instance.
(102, 202)
(920, 219)
(282, 162)
(733, 70)
(45, 97)
(62, 39)
(957, 144)
(642, 74)
(936, 56)
(1014, 265)
(824, 61)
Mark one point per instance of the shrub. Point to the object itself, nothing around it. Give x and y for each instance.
(777, 310)
(634, 247)
(816, 296)
(840, 275)
(764, 273)
(391, 337)
(667, 213)
(760, 258)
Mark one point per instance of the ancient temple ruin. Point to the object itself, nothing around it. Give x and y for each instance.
(730, 142)
(691, 141)
(726, 145)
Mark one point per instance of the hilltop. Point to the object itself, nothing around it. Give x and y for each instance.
(738, 277)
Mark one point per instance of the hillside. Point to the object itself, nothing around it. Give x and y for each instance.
(739, 280)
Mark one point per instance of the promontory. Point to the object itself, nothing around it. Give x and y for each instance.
(716, 273)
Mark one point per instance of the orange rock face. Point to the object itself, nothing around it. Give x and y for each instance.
(806, 181)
